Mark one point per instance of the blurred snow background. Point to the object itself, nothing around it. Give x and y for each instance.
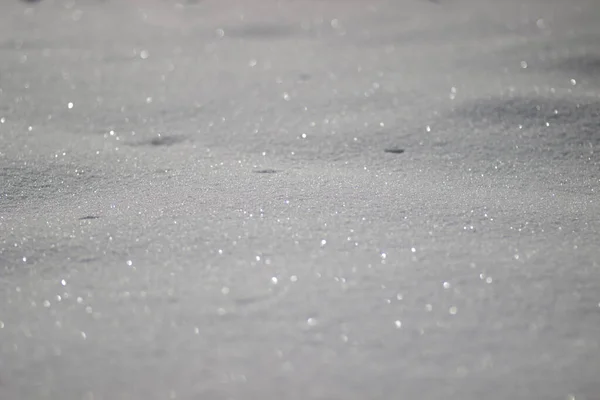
(299, 199)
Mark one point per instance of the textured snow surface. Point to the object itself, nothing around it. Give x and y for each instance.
(300, 199)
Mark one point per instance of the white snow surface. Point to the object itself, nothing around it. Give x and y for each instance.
(300, 199)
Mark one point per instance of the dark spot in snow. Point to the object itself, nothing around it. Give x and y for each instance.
(304, 77)
(265, 171)
(89, 217)
(163, 140)
(394, 151)
(166, 140)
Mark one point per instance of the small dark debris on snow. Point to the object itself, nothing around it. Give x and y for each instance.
(265, 171)
(166, 140)
(89, 217)
(159, 141)
(394, 151)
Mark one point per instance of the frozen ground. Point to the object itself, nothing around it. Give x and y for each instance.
(208, 200)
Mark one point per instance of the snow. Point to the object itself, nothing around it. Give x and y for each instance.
(299, 199)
